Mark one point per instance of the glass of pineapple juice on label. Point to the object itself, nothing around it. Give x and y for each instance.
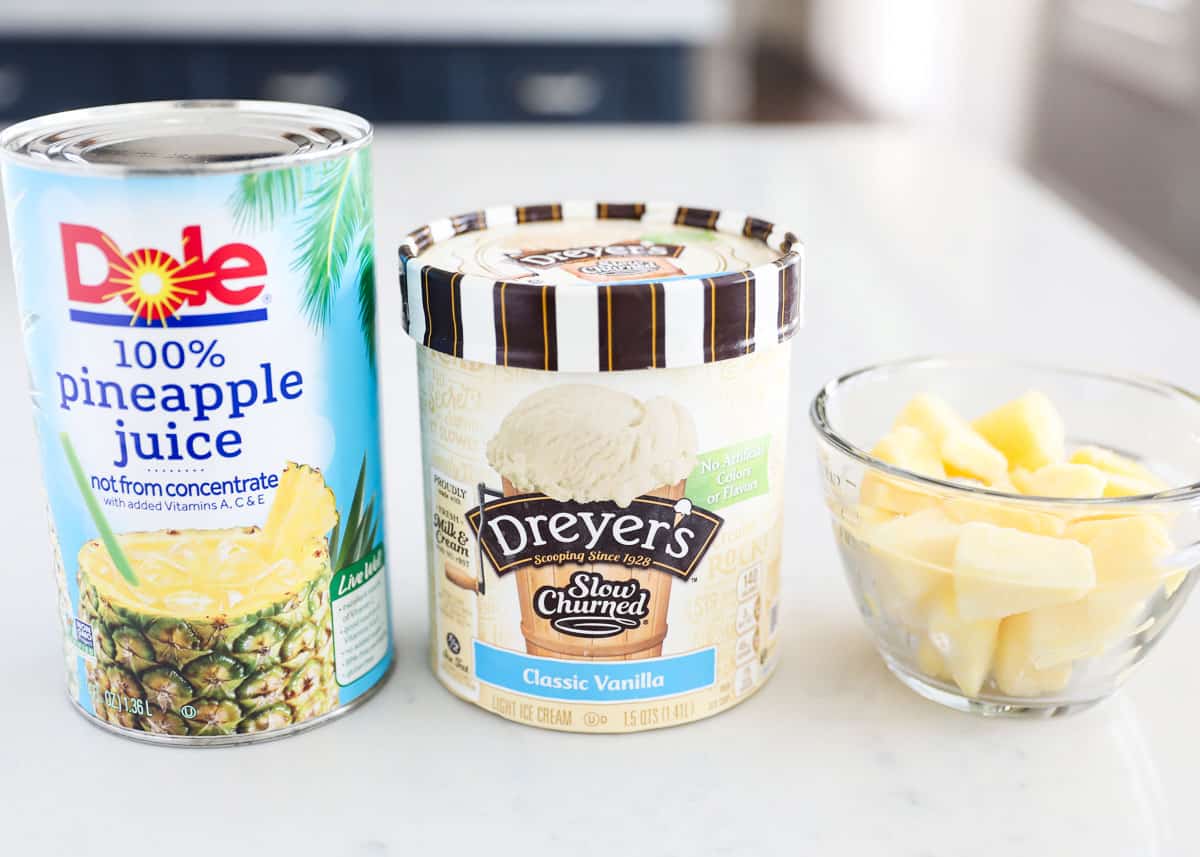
(196, 288)
(1017, 537)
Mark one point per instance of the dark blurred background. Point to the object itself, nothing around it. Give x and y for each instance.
(1098, 98)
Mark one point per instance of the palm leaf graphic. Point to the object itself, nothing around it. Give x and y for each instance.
(366, 294)
(331, 228)
(261, 198)
(357, 531)
(332, 201)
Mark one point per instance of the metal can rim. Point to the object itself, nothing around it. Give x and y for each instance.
(354, 132)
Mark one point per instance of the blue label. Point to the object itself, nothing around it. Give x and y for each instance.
(595, 681)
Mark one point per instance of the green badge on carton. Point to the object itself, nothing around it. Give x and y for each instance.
(730, 475)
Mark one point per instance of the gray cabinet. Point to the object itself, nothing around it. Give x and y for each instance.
(1117, 122)
(385, 81)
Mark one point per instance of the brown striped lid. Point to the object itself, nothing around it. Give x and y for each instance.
(598, 286)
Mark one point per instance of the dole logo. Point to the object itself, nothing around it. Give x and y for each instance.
(156, 286)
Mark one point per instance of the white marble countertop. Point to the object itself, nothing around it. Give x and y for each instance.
(913, 247)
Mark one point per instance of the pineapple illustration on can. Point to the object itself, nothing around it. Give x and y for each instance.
(604, 403)
(196, 283)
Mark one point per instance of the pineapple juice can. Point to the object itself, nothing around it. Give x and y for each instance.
(196, 289)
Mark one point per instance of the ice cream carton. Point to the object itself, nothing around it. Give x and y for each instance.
(604, 415)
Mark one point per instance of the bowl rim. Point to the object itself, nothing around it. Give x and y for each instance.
(818, 416)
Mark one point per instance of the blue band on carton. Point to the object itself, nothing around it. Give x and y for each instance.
(595, 681)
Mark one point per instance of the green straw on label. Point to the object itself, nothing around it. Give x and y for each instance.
(93, 505)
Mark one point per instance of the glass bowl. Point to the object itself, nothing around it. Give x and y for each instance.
(1032, 641)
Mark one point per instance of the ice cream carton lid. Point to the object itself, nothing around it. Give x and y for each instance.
(601, 286)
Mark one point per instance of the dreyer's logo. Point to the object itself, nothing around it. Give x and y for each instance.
(159, 289)
(652, 533)
(620, 260)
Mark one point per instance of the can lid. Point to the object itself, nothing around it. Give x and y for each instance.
(601, 286)
(158, 137)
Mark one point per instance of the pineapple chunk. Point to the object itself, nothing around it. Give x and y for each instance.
(963, 451)
(1127, 548)
(930, 662)
(966, 453)
(894, 496)
(1075, 481)
(1120, 485)
(928, 536)
(966, 647)
(1013, 669)
(1021, 478)
(1028, 430)
(859, 517)
(932, 416)
(1067, 632)
(916, 552)
(1004, 483)
(966, 509)
(1126, 477)
(908, 448)
(1110, 462)
(999, 571)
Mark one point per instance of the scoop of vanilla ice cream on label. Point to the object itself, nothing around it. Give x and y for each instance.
(584, 443)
